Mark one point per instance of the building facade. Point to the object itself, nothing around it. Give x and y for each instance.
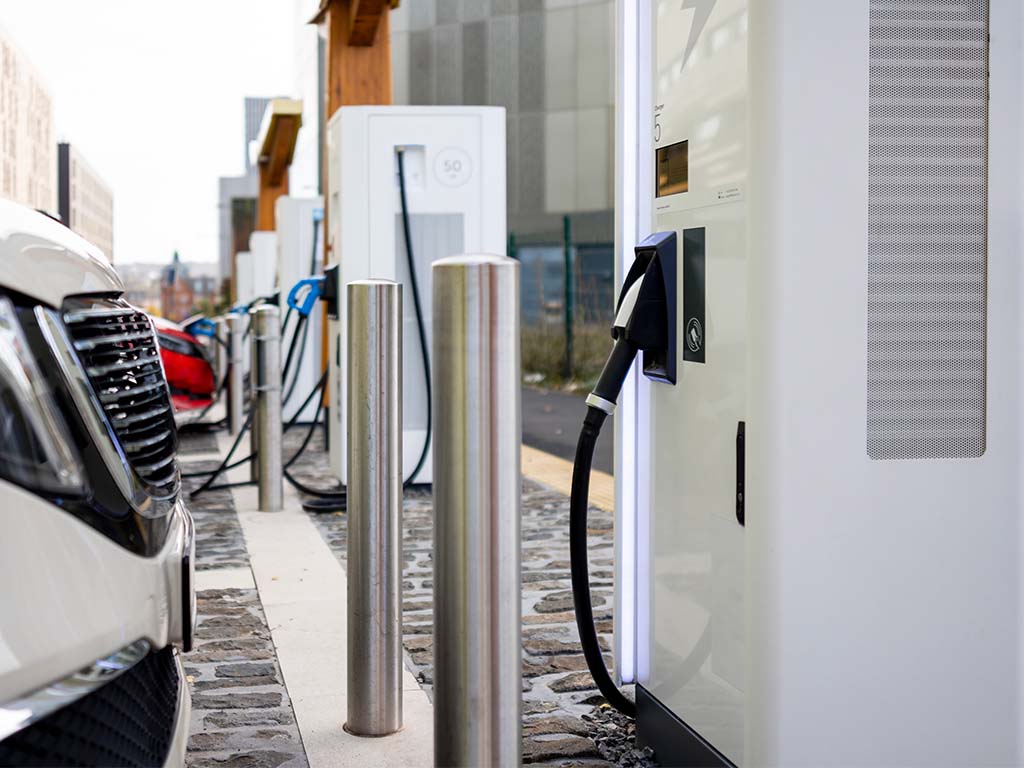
(84, 201)
(255, 106)
(142, 284)
(551, 66)
(176, 297)
(236, 200)
(27, 147)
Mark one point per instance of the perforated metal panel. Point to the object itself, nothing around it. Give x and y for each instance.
(927, 240)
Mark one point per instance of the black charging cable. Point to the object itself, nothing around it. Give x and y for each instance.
(208, 483)
(219, 469)
(290, 357)
(310, 431)
(424, 352)
(325, 500)
(641, 323)
(303, 328)
(227, 464)
(333, 500)
(197, 424)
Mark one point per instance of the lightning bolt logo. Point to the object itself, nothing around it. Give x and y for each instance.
(701, 13)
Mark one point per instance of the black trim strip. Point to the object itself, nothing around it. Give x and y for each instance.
(673, 741)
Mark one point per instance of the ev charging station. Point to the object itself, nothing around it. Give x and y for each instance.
(299, 231)
(254, 275)
(263, 247)
(818, 534)
(451, 162)
(245, 279)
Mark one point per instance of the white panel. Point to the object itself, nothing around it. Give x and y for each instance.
(455, 171)
(245, 285)
(263, 247)
(697, 620)
(870, 612)
(298, 234)
(884, 596)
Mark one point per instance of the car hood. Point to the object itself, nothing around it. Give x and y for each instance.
(41, 258)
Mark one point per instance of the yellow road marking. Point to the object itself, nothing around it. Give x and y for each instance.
(556, 473)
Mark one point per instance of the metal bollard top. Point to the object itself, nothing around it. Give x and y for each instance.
(475, 260)
(266, 321)
(372, 282)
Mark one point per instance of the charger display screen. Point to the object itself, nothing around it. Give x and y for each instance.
(673, 169)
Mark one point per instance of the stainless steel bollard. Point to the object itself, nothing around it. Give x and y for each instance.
(266, 404)
(236, 375)
(374, 507)
(477, 662)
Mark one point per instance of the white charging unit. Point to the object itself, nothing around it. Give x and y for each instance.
(819, 525)
(299, 255)
(263, 247)
(454, 160)
(245, 286)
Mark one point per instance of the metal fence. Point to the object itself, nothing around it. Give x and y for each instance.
(568, 285)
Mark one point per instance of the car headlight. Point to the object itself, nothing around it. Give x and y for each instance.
(34, 448)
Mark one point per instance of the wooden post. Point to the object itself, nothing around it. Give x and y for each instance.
(358, 72)
(277, 137)
(271, 188)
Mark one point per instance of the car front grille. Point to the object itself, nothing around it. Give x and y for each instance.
(127, 722)
(118, 349)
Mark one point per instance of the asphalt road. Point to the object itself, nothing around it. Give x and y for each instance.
(552, 420)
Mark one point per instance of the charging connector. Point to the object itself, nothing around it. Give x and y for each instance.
(645, 321)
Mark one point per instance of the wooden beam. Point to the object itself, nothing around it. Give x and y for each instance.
(364, 18)
(356, 74)
(277, 137)
(266, 202)
(285, 133)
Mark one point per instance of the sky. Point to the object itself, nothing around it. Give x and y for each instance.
(152, 93)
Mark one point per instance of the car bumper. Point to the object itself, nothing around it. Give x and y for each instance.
(179, 741)
(80, 596)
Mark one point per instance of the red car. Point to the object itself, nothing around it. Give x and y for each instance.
(187, 364)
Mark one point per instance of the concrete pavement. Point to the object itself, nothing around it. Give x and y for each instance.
(552, 421)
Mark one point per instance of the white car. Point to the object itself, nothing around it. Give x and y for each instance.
(96, 543)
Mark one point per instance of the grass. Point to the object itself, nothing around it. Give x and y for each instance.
(543, 350)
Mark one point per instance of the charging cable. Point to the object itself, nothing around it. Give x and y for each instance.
(641, 324)
(424, 352)
(325, 500)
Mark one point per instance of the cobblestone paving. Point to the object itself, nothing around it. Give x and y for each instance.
(562, 724)
(219, 540)
(241, 714)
